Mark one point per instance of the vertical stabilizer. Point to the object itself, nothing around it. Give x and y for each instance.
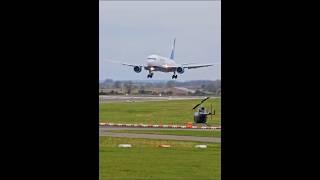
(173, 47)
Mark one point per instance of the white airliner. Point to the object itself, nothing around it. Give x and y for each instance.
(163, 64)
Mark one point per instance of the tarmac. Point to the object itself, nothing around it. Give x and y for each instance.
(121, 98)
(105, 131)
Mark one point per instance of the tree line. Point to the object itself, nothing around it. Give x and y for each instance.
(200, 86)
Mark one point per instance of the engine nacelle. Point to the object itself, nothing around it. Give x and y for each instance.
(137, 69)
(180, 70)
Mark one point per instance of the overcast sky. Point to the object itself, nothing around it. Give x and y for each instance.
(129, 31)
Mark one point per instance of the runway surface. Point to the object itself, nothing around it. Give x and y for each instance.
(105, 131)
(107, 99)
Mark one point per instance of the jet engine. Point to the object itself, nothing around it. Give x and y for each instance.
(137, 69)
(180, 70)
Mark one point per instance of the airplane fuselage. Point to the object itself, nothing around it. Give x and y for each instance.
(159, 63)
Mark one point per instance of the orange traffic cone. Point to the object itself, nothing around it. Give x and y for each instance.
(189, 125)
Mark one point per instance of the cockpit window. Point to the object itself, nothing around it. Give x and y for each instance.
(152, 58)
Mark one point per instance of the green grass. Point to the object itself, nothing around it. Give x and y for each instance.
(146, 161)
(174, 132)
(156, 112)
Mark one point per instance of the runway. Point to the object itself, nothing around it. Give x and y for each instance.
(120, 98)
(105, 131)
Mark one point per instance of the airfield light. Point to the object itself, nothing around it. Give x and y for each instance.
(200, 146)
(165, 145)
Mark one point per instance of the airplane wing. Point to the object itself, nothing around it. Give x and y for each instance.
(123, 63)
(132, 65)
(187, 64)
(193, 66)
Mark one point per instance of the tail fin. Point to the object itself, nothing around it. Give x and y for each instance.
(173, 47)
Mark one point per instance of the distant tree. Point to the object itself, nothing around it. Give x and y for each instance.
(170, 84)
(117, 84)
(148, 85)
(211, 87)
(141, 89)
(198, 93)
(160, 85)
(128, 87)
(102, 93)
(107, 83)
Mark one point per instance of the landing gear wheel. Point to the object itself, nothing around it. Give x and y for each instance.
(174, 76)
(150, 75)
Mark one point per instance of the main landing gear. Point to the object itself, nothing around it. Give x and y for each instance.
(150, 75)
(174, 76)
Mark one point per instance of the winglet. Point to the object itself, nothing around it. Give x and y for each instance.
(173, 47)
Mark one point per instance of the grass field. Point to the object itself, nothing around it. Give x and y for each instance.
(146, 161)
(174, 132)
(156, 112)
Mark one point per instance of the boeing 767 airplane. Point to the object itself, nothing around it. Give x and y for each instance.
(163, 64)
